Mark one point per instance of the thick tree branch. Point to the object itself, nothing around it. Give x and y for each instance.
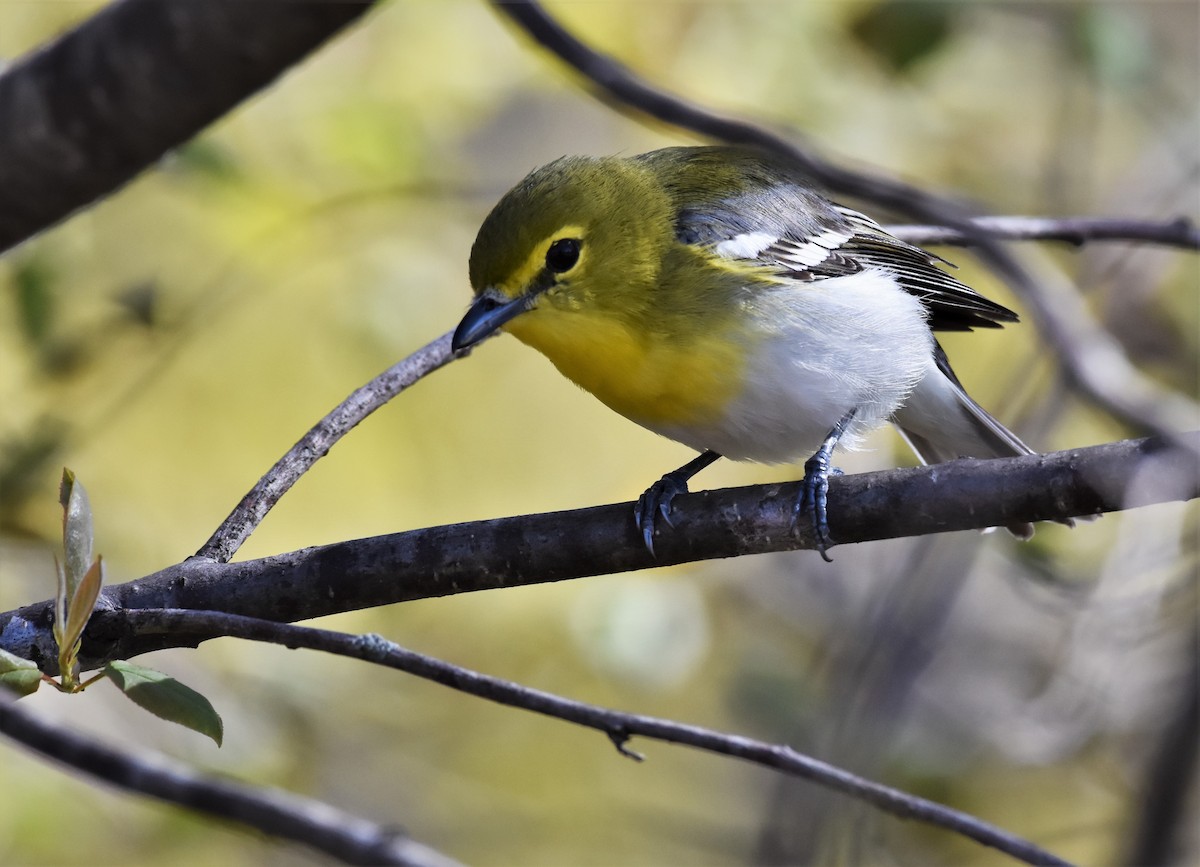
(1091, 358)
(346, 837)
(86, 113)
(617, 725)
(533, 549)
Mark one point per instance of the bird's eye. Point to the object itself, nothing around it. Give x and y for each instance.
(562, 255)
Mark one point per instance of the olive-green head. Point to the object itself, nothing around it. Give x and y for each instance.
(579, 234)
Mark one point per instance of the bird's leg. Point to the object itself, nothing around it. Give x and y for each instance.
(658, 497)
(815, 488)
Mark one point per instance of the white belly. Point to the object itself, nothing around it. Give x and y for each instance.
(847, 343)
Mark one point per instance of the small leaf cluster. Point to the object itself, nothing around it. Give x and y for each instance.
(80, 580)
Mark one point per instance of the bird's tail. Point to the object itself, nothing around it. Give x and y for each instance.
(941, 422)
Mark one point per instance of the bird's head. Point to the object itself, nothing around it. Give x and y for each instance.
(579, 238)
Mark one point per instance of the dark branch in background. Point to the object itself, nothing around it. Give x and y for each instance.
(534, 549)
(1090, 356)
(1073, 230)
(85, 114)
(315, 444)
(348, 838)
(618, 726)
(1169, 790)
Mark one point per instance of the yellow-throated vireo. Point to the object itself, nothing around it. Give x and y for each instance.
(710, 295)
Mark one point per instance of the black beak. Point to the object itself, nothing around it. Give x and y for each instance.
(486, 315)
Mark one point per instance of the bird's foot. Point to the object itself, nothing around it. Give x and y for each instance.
(814, 490)
(813, 500)
(656, 502)
(658, 497)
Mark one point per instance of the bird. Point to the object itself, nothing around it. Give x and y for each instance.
(713, 296)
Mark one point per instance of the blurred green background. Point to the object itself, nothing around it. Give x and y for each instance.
(171, 342)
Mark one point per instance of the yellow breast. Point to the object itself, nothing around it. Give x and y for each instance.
(654, 380)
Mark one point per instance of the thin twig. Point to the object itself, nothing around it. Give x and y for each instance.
(351, 839)
(1092, 359)
(315, 444)
(617, 725)
(1073, 230)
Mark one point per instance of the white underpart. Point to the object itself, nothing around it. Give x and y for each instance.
(746, 246)
(822, 349)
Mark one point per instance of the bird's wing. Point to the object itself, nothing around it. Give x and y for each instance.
(807, 238)
(952, 305)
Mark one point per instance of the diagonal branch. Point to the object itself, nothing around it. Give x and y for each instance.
(315, 444)
(82, 116)
(533, 549)
(617, 725)
(348, 838)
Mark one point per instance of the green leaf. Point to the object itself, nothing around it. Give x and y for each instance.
(77, 530)
(79, 611)
(60, 607)
(80, 578)
(18, 675)
(166, 698)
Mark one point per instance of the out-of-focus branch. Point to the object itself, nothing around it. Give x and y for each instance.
(314, 445)
(348, 838)
(533, 549)
(1169, 789)
(1092, 359)
(84, 114)
(1072, 230)
(617, 725)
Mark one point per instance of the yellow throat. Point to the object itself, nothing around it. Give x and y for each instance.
(648, 379)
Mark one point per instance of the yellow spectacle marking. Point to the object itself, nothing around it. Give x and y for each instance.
(519, 281)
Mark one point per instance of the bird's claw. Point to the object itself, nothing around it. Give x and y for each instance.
(813, 500)
(656, 501)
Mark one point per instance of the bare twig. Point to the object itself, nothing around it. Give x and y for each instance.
(348, 838)
(1090, 356)
(617, 725)
(1073, 230)
(315, 444)
(533, 549)
(83, 115)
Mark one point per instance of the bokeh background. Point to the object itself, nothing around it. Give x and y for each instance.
(170, 342)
